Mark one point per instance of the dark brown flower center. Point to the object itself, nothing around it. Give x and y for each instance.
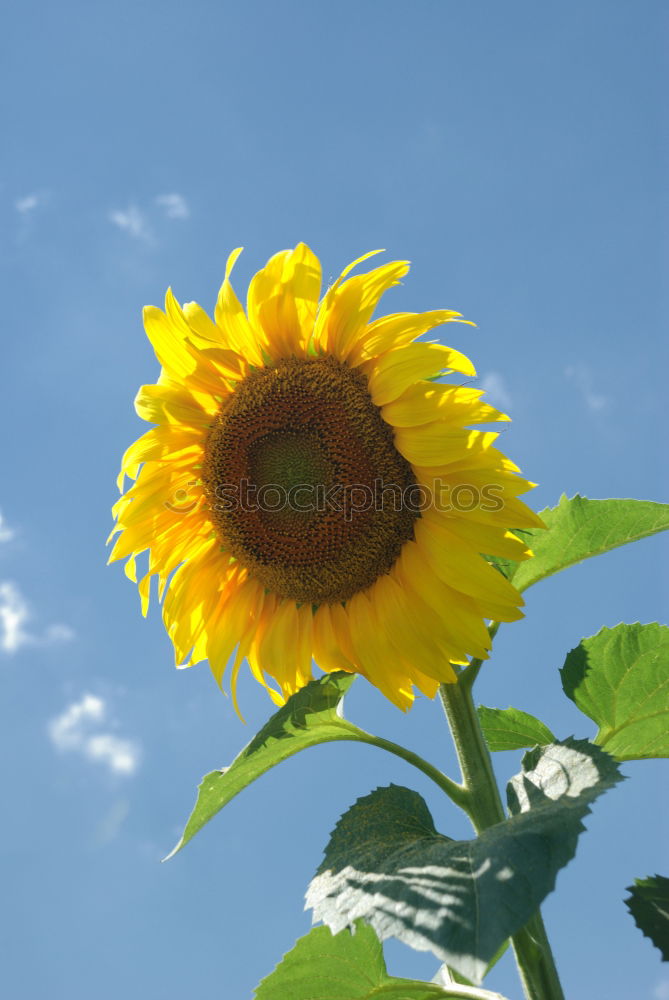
(305, 486)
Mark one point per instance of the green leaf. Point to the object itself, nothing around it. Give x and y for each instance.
(308, 718)
(649, 905)
(620, 679)
(446, 976)
(562, 778)
(349, 967)
(387, 864)
(580, 528)
(511, 729)
(313, 715)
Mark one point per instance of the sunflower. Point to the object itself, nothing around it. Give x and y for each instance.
(311, 494)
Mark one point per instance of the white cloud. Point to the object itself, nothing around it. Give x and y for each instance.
(66, 730)
(28, 204)
(493, 383)
(579, 375)
(661, 991)
(83, 727)
(6, 533)
(174, 205)
(119, 755)
(15, 614)
(132, 221)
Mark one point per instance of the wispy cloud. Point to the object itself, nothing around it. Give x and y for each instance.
(84, 727)
(132, 221)
(119, 755)
(110, 826)
(14, 617)
(579, 375)
(661, 991)
(494, 385)
(136, 221)
(66, 729)
(174, 205)
(59, 633)
(27, 204)
(6, 533)
(26, 208)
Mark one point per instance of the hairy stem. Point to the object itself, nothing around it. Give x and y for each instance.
(483, 805)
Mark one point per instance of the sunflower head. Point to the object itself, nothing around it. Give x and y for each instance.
(310, 494)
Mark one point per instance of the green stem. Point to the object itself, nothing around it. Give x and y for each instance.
(457, 793)
(483, 805)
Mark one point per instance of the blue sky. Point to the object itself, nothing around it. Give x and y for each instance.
(512, 152)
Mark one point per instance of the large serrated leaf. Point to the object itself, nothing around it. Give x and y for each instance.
(446, 977)
(649, 905)
(511, 729)
(579, 528)
(620, 679)
(387, 864)
(570, 773)
(308, 718)
(349, 966)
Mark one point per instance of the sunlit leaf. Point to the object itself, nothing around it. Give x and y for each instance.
(310, 717)
(578, 529)
(387, 864)
(620, 679)
(349, 967)
(511, 729)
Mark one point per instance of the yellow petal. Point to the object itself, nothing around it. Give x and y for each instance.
(192, 594)
(304, 646)
(234, 616)
(393, 373)
(511, 513)
(171, 548)
(231, 318)
(426, 402)
(327, 304)
(397, 330)
(477, 468)
(328, 653)
(499, 612)
(408, 629)
(438, 444)
(348, 307)
(144, 588)
(169, 338)
(427, 685)
(283, 299)
(375, 655)
(341, 625)
(460, 566)
(457, 624)
(169, 404)
(179, 443)
(263, 614)
(206, 340)
(209, 333)
(490, 540)
(284, 650)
